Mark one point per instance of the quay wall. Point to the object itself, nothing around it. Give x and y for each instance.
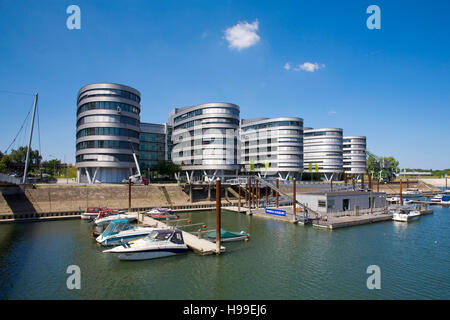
(57, 198)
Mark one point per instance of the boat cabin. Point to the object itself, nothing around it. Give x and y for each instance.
(326, 202)
(117, 226)
(106, 213)
(175, 236)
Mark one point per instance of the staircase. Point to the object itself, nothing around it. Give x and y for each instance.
(166, 195)
(305, 208)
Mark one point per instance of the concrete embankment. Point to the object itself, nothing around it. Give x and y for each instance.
(44, 200)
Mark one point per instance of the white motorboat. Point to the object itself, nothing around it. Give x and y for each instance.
(122, 231)
(405, 214)
(159, 243)
(413, 192)
(91, 213)
(441, 198)
(437, 198)
(105, 217)
(393, 200)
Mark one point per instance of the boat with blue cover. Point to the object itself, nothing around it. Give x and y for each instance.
(122, 231)
(226, 236)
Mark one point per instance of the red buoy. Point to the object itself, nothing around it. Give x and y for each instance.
(204, 226)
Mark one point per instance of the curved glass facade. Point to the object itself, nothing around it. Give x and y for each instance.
(108, 105)
(354, 153)
(272, 146)
(323, 147)
(204, 137)
(107, 132)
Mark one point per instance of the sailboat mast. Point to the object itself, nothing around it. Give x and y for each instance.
(29, 140)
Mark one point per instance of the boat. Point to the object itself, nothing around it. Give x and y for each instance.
(437, 198)
(106, 216)
(159, 243)
(441, 198)
(414, 192)
(405, 214)
(407, 201)
(91, 213)
(120, 231)
(226, 236)
(393, 200)
(162, 214)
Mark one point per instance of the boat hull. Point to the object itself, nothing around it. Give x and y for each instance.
(149, 254)
(405, 218)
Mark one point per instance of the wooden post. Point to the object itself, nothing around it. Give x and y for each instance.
(245, 193)
(401, 192)
(277, 184)
(370, 181)
(362, 182)
(267, 196)
(209, 191)
(249, 193)
(129, 195)
(257, 193)
(378, 185)
(253, 194)
(345, 177)
(218, 208)
(191, 195)
(239, 201)
(331, 184)
(294, 202)
(407, 183)
(353, 183)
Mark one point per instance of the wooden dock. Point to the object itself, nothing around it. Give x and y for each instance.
(261, 212)
(348, 221)
(431, 203)
(201, 246)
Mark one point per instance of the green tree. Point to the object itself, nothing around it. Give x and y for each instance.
(52, 167)
(18, 156)
(167, 168)
(4, 163)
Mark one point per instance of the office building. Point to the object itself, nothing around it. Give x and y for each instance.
(107, 132)
(323, 150)
(272, 147)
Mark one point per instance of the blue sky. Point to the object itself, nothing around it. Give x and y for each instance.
(392, 84)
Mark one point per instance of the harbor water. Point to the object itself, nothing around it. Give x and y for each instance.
(281, 261)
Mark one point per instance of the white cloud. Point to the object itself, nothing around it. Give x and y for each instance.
(243, 35)
(309, 67)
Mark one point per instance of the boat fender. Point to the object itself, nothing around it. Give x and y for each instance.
(204, 226)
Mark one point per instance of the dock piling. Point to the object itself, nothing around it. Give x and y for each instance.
(277, 184)
(129, 194)
(239, 198)
(294, 202)
(401, 192)
(218, 209)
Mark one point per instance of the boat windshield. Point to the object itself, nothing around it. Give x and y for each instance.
(159, 235)
(114, 228)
